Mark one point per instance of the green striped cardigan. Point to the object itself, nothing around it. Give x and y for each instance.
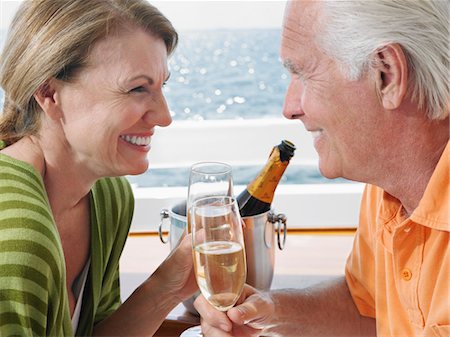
(33, 294)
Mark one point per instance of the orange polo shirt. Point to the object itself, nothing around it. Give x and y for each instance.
(399, 268)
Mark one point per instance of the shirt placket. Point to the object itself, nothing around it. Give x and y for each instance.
(407, 265)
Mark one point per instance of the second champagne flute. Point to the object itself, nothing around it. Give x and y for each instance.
(208, 179)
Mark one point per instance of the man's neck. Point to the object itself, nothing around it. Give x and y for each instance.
(408, 174)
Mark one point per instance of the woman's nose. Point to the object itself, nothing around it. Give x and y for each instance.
(292, 107)
(159, 114)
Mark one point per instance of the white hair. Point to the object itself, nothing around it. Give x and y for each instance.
(354, 30)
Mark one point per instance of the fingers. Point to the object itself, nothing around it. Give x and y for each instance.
(238, 314)
(211, 317)
(180, 257)
(209, 330)
(246, 319)
(238, 331)
(255, 312)
(184, 244)
(215, 323)
(181, 284)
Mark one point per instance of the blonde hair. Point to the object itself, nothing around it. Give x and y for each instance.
(355, 30)
(52, 38)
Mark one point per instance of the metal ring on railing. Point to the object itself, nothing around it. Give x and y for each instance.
(164, 214)
(281, 219)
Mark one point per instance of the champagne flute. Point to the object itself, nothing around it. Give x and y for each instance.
(208, 179)
(219, 252)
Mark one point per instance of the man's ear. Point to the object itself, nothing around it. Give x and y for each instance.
(46, 97)
(391, 74)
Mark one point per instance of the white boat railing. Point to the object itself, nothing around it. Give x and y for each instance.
(245, 142)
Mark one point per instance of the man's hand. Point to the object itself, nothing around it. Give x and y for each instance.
(247, 319)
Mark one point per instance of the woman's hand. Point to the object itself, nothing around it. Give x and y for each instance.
(142, 313)
(175, 275)
(247, 319)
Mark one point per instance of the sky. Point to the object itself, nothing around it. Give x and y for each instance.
(194, 15)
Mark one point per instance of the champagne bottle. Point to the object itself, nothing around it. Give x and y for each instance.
(258, 195)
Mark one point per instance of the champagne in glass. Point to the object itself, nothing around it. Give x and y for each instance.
(218, 245)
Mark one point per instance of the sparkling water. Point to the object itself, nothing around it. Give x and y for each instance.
(242, 175)
(227, 74)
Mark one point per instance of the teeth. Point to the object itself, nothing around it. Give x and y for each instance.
(135, 140)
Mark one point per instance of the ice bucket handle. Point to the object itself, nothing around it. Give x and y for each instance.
(164, 214)
(280, 219)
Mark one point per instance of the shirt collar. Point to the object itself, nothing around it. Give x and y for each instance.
(432, 210)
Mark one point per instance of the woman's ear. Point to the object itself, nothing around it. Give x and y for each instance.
(46, 97)
(391, 71)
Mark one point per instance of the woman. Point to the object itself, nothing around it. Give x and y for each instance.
(83, 93)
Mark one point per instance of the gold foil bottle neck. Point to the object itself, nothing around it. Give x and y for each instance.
(264, 185)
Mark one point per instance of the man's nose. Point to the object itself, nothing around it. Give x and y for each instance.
(292, 108)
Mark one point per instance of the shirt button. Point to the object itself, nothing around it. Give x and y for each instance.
(406, 274)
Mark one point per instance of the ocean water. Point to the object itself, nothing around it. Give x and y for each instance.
(226, 74)
(242, 175)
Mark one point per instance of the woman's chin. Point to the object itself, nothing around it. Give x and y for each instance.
(137, 169)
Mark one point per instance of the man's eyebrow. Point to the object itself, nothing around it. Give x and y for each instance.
(291, 67)
(147, 78)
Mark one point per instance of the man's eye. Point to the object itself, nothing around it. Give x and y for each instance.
(301, 77)
(138, 89)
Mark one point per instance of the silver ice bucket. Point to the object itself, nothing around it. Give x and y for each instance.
(261, 233)
(177, 224)
(259, 237)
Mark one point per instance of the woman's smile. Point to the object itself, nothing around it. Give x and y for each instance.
(137, 140)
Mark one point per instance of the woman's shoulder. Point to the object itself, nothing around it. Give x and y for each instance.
(28, 235)
(117, 188)
(22, 188)
(113, 199)
(25, 153)
(112, 209)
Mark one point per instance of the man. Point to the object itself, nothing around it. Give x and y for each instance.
(370, 82)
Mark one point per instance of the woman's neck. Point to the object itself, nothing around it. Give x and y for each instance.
(65, 180)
